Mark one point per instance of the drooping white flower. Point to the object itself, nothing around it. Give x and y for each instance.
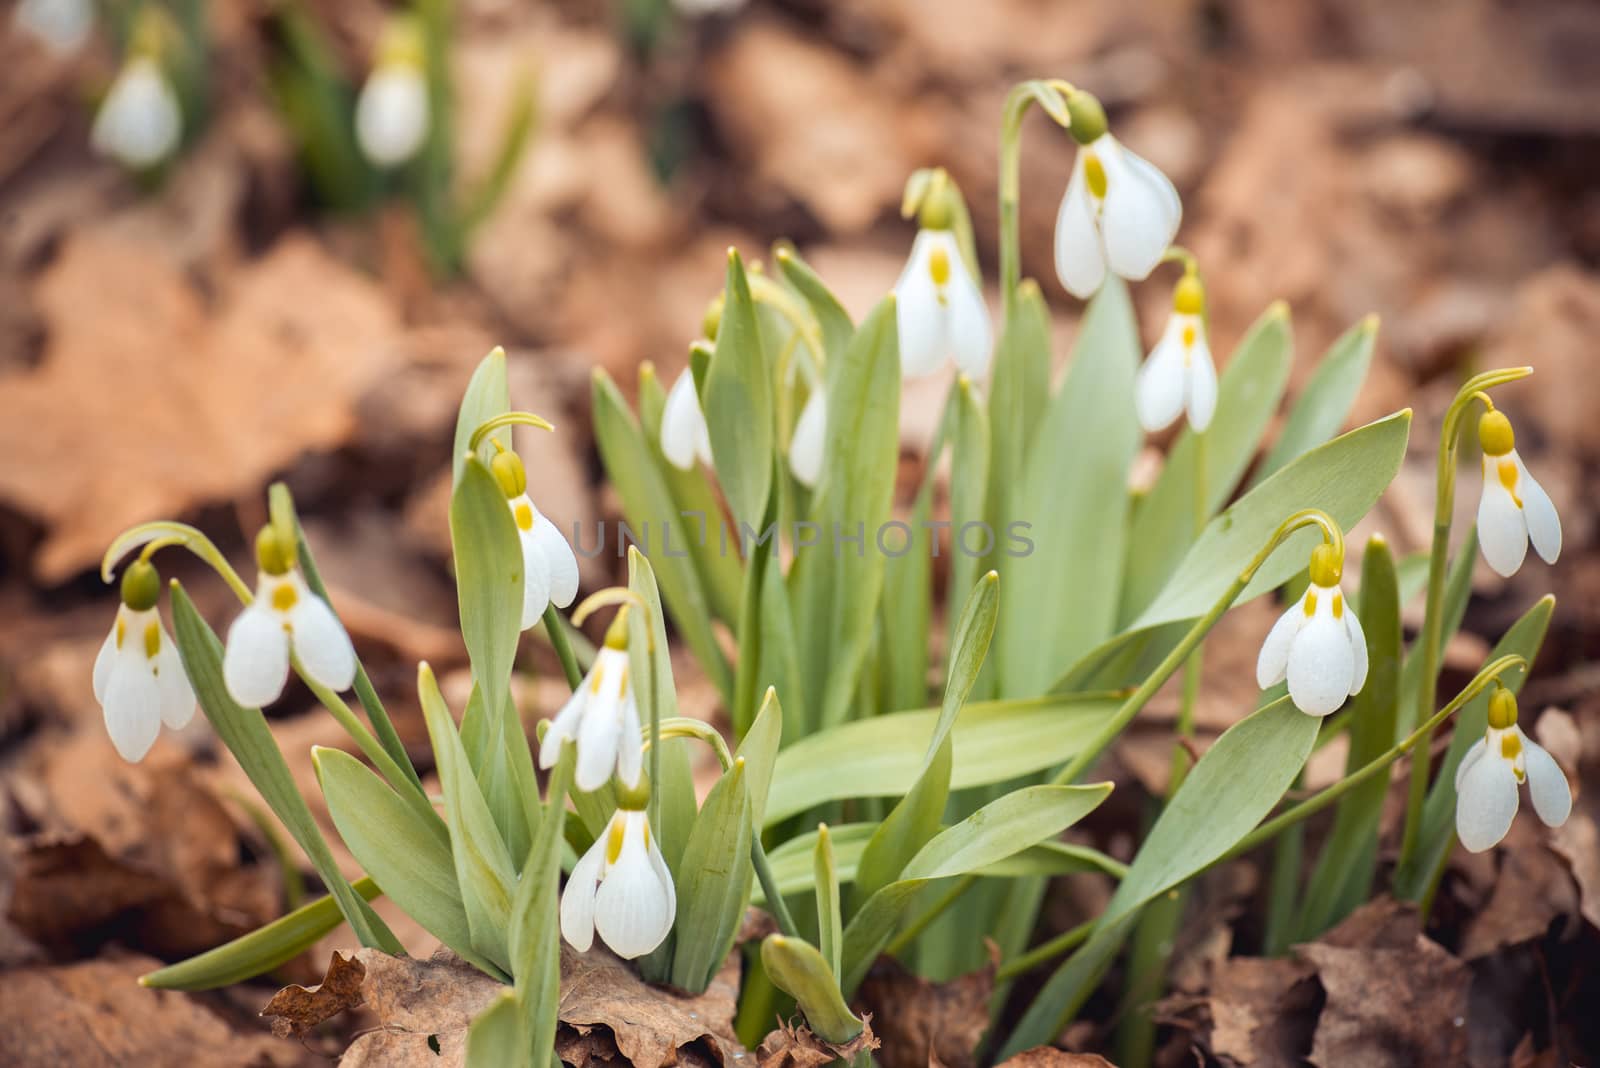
(139, 122)
(285, 615)
(685, 437)
(138, 676)
(392, 113)
(939, 312)
(695, 9)
(63, 25)
(1179, 375)
(621, 888)
(1317, 644)
(602, 719)
(1119, 212)
(549, 566)
(1514, 509)
(1487, 780)
(807, 443)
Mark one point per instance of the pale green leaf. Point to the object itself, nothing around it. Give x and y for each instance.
(1326, 400)
(738, 404)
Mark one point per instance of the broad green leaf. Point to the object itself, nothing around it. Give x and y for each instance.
(830, 913)
(799, 969)
(759, 752)
(714, 882)
(1018, 393)
(1164, 522)
(1061, 599)
(649, 503)
(1343, 877)
(407, 857)
(496, 1039)
(737, 400)
(1225, 795)
(245, 733)
(1000, 829)
(487, 396)
(836, 588)
(1326, 400)
(262, 950)
(994, 741)
(1437, 834)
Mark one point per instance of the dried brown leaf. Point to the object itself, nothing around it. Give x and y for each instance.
(1532, 889)
(1578, 841)
(922, 1022)
(1263, 1011)
(794, 1046)
(650, 1024)
(1050, 1057)
(294, 1010)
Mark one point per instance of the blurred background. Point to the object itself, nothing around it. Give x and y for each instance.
(263, 303)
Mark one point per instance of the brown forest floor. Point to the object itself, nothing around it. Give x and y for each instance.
(167, 355)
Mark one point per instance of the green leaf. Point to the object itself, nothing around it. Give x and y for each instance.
(406, 856)
(837, 588)
(262, 950)
(759, 752)
(246, 734)
(969, 488)
(1326, 400)
(738, 402)
(830, 914)
(535, 933)
(881, 756)
(1018, 393)
(1247, 396)
(495, 1038)
(714, 882)
(487, 396)
(780, 649)
(1227, 793)
(1343, 877)
(837, 329)
(799, 970)
(1061, 598)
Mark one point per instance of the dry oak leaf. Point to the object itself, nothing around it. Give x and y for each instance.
(794, 1046)
(294, 1010)
(1050, 1057)
(1578, 842)
(178, 405)
(922, 1022)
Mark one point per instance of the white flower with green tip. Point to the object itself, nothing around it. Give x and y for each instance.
(621, 889)
(138, 676)
(1514, 509)
(1317, 644)
(1179, 376)
(602, 719)
(939, 313)
(392, 110)
(549, 566)
(139, 122)
(1492, 770)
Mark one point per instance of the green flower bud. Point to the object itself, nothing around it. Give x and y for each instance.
(1502, 708)
(141, 586)
(634, 798)
(1495, 434)
(1189, 298)
(1088, 117)
(509, 472)
(272, 555)
(797, 968)
(1326, 566)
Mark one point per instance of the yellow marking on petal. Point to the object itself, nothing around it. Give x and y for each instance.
(524, 515)
(1338, 606)
(939, 267)
(1094, 175)
(1189, 335)
(1510, 745)
(1311, 605)
(1508, 479)
(122, 630)
(614, 840)
(152, 639)
(622, 687)
(596, 676)
(284, 597)
(647, 835)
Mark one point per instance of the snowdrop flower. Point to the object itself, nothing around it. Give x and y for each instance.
(685, 437)
(602, 719)
(1317, 644)
(63, 25)
(1119, 211)
(695, 9)
(138, 676)
(938, 310)
(392, 110)
(1514, 509)
(549, 566)
(139, 122)
(1179, 375)
(284, 616)
(807, 443)
(1486, 781)
(621, 887)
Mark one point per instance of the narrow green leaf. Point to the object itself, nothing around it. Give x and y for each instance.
(535, 933)
(1326, 400)
(830, 915)
(737, 400)
(1018, 393)
(714, 884)
(969, 488)
(837, 329)
(487, 396)
(496, 1039)
(759, 752)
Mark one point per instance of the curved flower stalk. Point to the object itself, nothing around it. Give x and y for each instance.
(1119, 212)
(392, 110)
(621, 888)
(285, 616)
(939, 310)
(1491, 771)
(139, 122)
(602, 719)
(1179, 376)
(138, 676)
(1514, 509)
(1317, 644)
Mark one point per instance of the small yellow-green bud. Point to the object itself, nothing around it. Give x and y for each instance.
(1326, 566)
(1189, 298)
(509, 473)
(1502, 708)
(141, 586)
(936, 212)
(634, 798)
(272, 556)
(1495, 435)
(617, 633)
(713, 319)
(1088, 117)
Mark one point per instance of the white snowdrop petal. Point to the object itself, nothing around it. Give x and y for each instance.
(1080, 259)
(1539, 513)
(255, 661)
(577, 901)
(630, 908)
(1321, 665)
(1502, 531)
(1473, 755)
(598, 733)
(1137, 221)
(664, 874)
(807, 444)
(564, 727)
(1201, 394)
(63, 25)
(919, 316)
(1273, 663)
(1158, 394)
(138, 122)
(133, 707)
(1486, 803)
(630, 742)
(392, 114)
(103, 661)
(561, 563)
(1358, 648)
(682, 422)
(177, 695)
(1547, 784)
(321, 642)
(967, 317)
(535, 577)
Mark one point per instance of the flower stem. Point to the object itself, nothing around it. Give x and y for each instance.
(1045, 951)
(1021, 96)
(556, 632)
